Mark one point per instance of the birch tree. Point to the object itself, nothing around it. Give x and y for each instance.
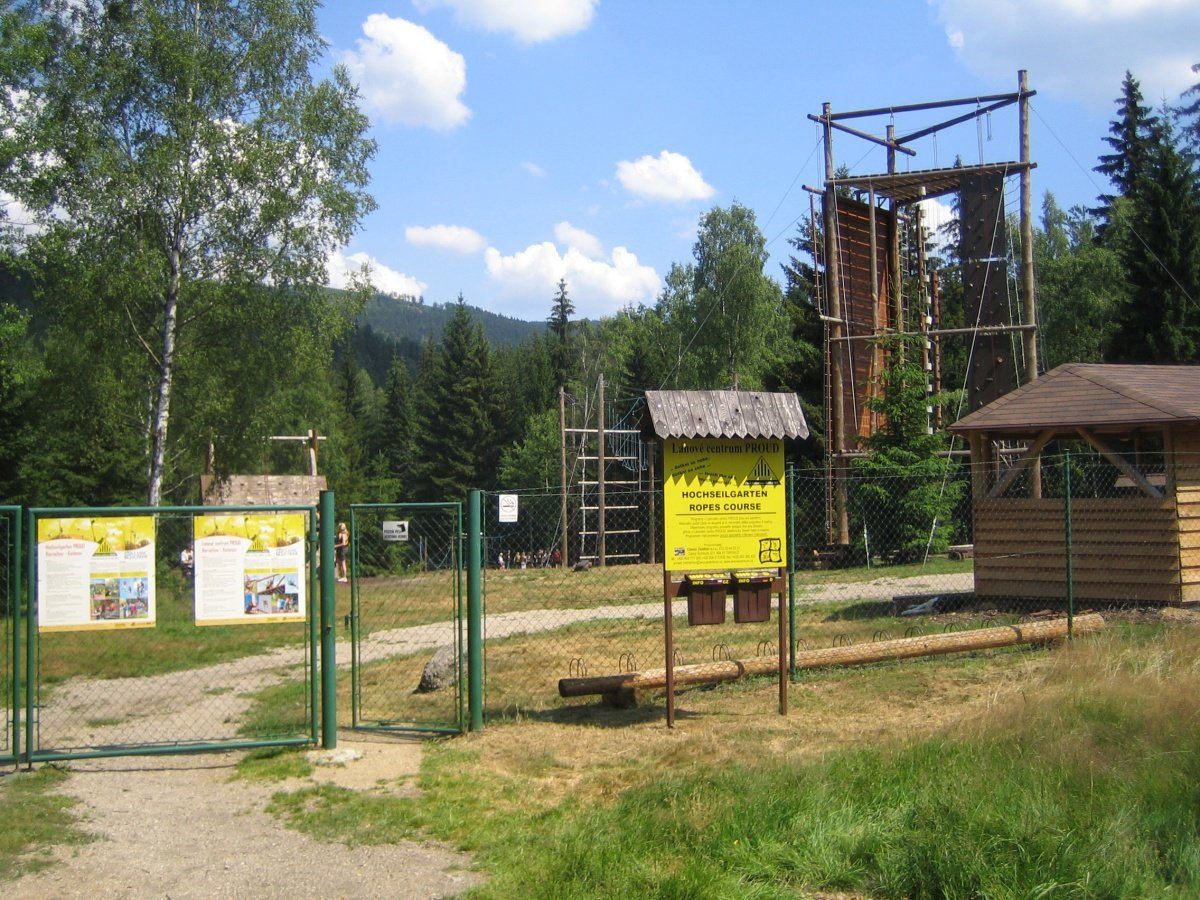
(181, 151)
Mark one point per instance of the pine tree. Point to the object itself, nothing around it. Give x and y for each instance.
(1129, 138)
(1159, 320)
(561, 352)
(457, 413)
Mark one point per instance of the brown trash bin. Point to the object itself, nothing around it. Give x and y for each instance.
(706, 594)
(752, 596)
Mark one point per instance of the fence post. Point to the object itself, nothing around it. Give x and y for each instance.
(791, 568)
(474, 612)
(29, 574)
(328, 613)
(1069, 543)
(16, 597)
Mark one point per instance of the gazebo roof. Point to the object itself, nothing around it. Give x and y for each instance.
(725, 414)
(1098, 396)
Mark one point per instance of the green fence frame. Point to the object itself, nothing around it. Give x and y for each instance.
(463, 561)
(10, 667)
(320, 698)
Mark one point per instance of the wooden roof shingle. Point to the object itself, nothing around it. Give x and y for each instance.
(1093, 395)
(725, 414)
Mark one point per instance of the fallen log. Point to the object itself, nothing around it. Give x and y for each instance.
(850, 655)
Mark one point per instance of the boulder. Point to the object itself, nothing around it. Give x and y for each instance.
(440, 672)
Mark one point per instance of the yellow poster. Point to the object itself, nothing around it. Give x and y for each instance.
(249, 568)
(95, 573)
(724, 504)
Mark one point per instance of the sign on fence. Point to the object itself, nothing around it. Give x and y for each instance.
(95, 572)
(395, 530)
(249, 568)
(508, 507)
(724, 504)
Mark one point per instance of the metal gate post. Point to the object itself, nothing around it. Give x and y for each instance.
(328, 636)
(474, 612)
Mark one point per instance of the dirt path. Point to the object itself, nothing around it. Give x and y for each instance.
(179, 827)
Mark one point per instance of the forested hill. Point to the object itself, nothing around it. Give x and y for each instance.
(405, 319)
(392, 327)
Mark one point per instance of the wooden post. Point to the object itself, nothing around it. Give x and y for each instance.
(1028, 284)
(837, 438)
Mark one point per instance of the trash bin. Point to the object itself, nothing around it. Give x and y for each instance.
(752, 596)
(706, 597)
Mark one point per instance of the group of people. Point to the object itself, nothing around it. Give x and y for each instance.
(541, 559)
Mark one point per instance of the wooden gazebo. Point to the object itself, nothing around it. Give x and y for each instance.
(1138, 539)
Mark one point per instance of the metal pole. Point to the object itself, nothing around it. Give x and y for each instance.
(16, 597)
(474, 613)
(30, 632)
(791, 568)
(328, 636)
(1069, 543)
(601, 550)
(562, 463)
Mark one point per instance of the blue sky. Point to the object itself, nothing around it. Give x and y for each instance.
(526, 141)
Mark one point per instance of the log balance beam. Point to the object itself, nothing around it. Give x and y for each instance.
(851, 655)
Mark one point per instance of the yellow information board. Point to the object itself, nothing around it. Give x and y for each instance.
(724, 505)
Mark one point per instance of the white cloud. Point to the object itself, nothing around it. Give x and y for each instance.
(529, 21)
(577, 239)
(456, 238)
(935, 214)
(533, 169)
(597, 286)
(343, 269)
(407, 75)
(668, 176)
(1077, 48)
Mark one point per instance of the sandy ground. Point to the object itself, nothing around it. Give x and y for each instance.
(181, 827)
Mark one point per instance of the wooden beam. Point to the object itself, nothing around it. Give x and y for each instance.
(1121, 463)
(1031, 453)
(852, 655)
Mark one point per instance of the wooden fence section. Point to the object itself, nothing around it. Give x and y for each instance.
(1123, 549)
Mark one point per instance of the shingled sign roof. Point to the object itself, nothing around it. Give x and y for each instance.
(725, 414)
(1096, 396)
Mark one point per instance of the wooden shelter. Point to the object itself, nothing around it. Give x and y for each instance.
(1135, 530)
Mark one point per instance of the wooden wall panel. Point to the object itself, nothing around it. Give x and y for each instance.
(1122, 549)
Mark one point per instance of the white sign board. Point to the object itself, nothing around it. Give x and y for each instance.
(508, 507)
(395, 531)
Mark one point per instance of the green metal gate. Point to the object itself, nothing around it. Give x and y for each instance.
(10, 629)
(405, 602)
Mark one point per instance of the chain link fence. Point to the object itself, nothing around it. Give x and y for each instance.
(405, 605)
(147, 667)
(882, 561)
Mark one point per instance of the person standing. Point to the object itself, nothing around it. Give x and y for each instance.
(341, 549)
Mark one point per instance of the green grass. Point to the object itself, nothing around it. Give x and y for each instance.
(36, 819)
(273, 764)
(174, 644)
(1067, 773)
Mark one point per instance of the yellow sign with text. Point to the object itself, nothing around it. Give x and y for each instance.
(724, 505)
